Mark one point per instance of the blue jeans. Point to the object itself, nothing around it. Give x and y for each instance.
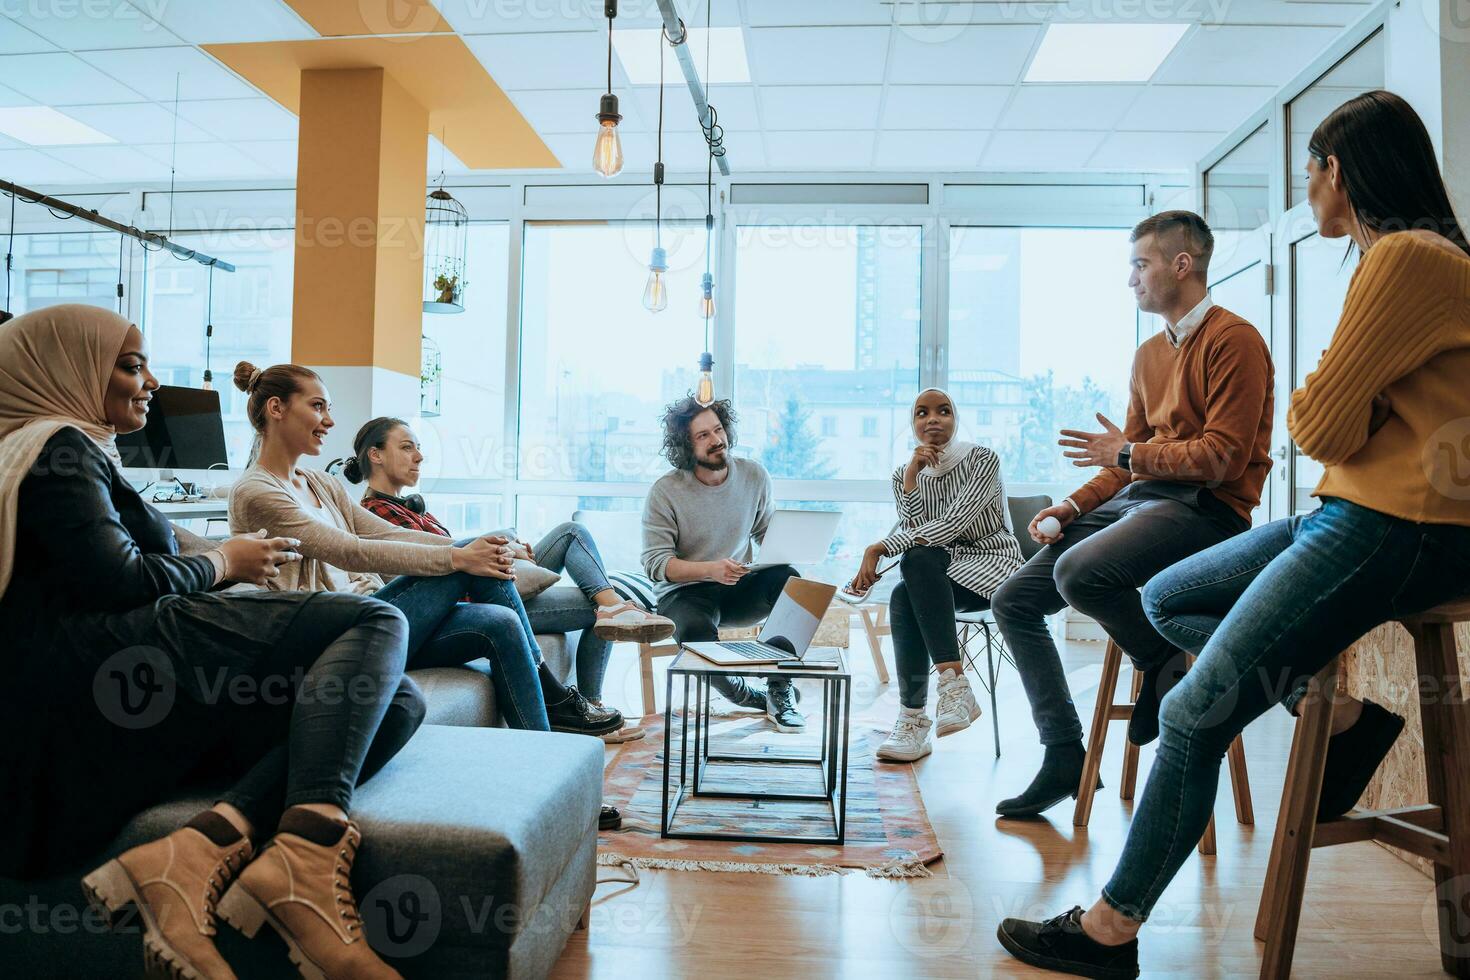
(1266, 610)
(569, 547)
(445, 632)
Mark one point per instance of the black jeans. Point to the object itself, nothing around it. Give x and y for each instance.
(922, 609)
(1104, 558)
(699, 610)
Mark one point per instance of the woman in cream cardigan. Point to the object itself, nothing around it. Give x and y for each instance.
(345, 548)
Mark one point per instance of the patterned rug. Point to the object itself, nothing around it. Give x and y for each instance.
(888, 830)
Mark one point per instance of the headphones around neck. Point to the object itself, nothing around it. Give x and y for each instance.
(414, 501)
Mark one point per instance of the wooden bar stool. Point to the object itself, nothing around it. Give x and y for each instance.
(1438, 831)
(1106, 711)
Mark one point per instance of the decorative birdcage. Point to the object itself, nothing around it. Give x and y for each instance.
(431, 378)
(446, 230)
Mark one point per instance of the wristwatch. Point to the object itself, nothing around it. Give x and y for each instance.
(1125, 456)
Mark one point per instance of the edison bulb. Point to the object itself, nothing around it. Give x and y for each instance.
(656, 292)
(607, 155)
(707, 297)
(705, 393)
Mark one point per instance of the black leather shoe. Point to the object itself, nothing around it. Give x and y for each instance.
(1058, 779)
(1143, 727)
(609, 818)
(1353, 756)
(581, 717)
(1060, 944)
(746, 697)
(781, 702)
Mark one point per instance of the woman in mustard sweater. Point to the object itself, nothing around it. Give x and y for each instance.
(1385, 413)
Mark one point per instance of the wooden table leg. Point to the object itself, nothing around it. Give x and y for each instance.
(1107, 685)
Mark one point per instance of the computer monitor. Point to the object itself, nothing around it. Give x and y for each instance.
(184, 432)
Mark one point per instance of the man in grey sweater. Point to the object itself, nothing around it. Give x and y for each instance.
(699, 523)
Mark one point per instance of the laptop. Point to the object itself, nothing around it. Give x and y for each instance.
(787, 634)
(797, 537)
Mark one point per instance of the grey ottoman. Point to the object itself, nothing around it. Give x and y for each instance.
(478, 860)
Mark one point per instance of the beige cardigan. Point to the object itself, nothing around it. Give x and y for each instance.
(344, 547)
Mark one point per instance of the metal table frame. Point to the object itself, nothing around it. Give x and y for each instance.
(831, 761)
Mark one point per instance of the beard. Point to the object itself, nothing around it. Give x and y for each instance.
(711, 463)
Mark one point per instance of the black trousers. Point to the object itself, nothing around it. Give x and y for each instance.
(922, 611)
(699, 610)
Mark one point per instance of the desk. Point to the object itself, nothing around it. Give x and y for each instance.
(212, 510)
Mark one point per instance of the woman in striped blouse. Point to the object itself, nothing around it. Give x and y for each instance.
(955, 548)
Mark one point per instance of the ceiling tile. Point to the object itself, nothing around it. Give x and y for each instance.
(32, 167)
(820, 106)
(1234, 55)
(784, 13)
(944, 106)
(817, 55)
(978, 54)
(1018, 150)
(1153, 151)
(1225, 106)
(10, 97)
(279, 156)
(546, 61)
(138, 122)
(61, 79)
(574, 150)
(241, 119)
(93, 24)
(819, 151)
(111, 163)
(15, 39)
(153, 71)
(543, 17)
(567, 110)
(206, 161)
(237, 21)
(929, 149)
(734, 107)
(1069, 106)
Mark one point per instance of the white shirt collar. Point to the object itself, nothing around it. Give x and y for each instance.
(1187, 324)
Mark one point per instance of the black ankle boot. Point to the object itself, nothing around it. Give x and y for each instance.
(1159, 680)
(1353, 756)
(1061, 772)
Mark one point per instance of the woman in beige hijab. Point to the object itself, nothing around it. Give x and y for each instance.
(118, 650)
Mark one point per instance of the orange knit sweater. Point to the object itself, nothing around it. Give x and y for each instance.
(1200, 413)
(1405, 333)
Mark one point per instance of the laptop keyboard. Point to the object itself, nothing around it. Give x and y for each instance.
(753, 651)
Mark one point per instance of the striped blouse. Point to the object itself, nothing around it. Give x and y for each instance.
(963, 511)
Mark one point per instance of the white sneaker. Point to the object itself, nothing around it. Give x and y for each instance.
(627, 622)
(957, 706)
(909, 739)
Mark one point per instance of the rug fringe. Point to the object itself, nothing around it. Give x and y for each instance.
(895, 869)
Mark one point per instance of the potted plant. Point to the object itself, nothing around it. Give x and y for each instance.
(447, 285)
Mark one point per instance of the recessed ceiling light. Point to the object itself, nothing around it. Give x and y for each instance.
(41, 125)
(1103, 52)
(638, 51)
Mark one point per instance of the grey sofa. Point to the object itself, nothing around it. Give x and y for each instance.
(478, 855)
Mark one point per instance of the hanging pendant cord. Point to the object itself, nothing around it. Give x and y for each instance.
(173, 158)
(208, 326)
(10, 253)
(120, 241)
(658, 174)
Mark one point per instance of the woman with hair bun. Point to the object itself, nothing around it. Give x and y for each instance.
(345, 548)
(388, 457)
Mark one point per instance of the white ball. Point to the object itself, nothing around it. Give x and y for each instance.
(1049, 527)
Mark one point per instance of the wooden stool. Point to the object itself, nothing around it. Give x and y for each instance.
(876, 626)
(1438, 831)
(1106, 711)
(833, 631)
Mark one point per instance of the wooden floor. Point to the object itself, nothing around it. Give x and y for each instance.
(1367, 914)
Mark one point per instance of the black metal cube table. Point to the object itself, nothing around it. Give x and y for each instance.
(698, 767)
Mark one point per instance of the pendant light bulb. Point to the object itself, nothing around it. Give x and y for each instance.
(607, 154)
(705, 395)
(656, 292)
(707, 297)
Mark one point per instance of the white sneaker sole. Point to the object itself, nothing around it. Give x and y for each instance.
(895, 755)
(949, 725)
(786, 729)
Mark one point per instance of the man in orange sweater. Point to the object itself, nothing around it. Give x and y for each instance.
(1182, 474)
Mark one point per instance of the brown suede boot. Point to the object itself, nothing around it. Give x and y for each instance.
(176, 883)
(302, 885)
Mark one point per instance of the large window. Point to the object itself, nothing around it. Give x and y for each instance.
(826, 347)
(1319, 286)
(466, 439)
(250, 309)
(596, 368)
(1361, 71)
(1237, 187)
(1042, 330)
(74, 267)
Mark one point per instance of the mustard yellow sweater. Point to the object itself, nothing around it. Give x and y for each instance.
(1405, 333)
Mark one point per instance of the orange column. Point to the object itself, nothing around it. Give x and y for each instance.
(357, 298)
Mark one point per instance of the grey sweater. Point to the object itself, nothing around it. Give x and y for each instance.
(684, 519)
